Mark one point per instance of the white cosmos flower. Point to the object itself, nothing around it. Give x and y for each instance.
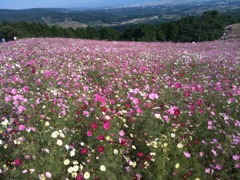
(59, 142)
(180, 145)
(55, 134)
(66, 162)
(86, 175)
(72, 153)
(115, 151)
(103, 168)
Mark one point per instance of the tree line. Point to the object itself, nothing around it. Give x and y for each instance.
(209, 26)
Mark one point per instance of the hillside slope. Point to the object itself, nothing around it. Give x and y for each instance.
(119, 110)
(232, 32)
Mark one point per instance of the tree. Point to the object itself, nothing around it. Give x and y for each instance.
(92, 33)
(160, 36)
(109, 33)
(146, 33)
(8, 32)
(129, 34)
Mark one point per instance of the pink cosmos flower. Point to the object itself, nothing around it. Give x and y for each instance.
(166, 118)
(25, 89)
(48, 175)
(47, 73)
(237, 166)
(214, 152)
(121, 133)
(101, 99)
(38, 101)
(106, 125)
(112, 101)
(236, 157)
(14, 91)
(135, 101)
(89, 133)
(139, 110)
(21, 127)
(85, 88)
(187, 93)
(138, 176)
(187, 154)
(177, 85)
(94, 125)
(173, 110)
(8, 98)
(207, 170)
(86, 113)
(27, 157)
(21, 109)
(218, 167)
(153, 96)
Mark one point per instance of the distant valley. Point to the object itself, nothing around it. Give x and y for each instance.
(121, 16)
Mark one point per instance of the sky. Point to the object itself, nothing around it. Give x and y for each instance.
(25, 4)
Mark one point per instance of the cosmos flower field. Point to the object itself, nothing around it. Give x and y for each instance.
(85, 109)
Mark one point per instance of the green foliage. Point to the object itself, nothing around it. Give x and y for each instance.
(8, 32)
(209, 26)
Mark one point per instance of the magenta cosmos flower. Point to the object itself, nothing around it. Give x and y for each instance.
(101, 149)
(84, 151)
(17, 162)
(79, 177)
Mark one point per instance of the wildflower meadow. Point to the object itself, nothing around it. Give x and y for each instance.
(86, 109)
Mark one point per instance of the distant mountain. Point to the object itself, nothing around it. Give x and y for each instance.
(162, 2)
(151, 12)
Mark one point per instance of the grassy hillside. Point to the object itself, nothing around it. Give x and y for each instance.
(85, 109)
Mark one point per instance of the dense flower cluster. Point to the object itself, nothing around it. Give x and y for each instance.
(82, 109)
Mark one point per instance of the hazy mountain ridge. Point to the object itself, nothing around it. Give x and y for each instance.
(153, 12)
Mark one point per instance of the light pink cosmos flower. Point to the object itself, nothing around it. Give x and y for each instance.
(214, 152)
(31, 129)
(25, 89)
(86, 113)
(172, 109)
(236, 157)
(135, 101)
(138, 176)
(48, 175)
(14, 91)
(187, 154)
(21, 109)
(8, 98)
(166, 118)
(207, 170)
(21, 127)
(121, 133)
(139, 110)
(47, 73)
(153, 96)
